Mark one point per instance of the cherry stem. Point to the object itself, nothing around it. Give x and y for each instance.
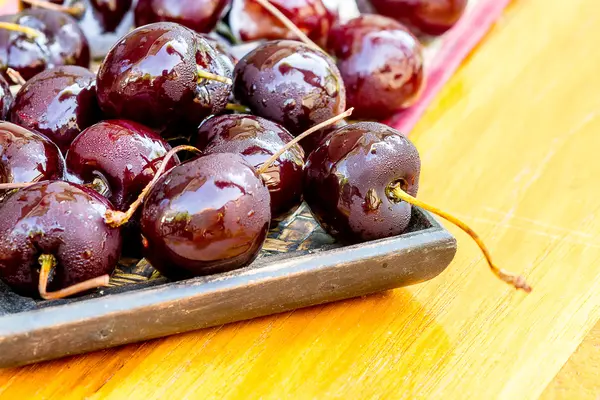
(32, 33)
(396, 193)
(266, 4)
(115, 219)
(15, 76)
(238, 108)
(16, 185)
(202, 75)
(76, 11)
(48, 262)
(265, 167)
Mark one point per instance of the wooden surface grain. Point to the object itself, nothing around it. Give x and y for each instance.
(511, 145)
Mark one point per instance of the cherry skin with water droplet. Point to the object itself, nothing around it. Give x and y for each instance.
(59, 219)
(199, 15)
(6, 99)
(290, 83)
(257, 139)
(152, 76)
(59, 103)
(206, 216)
(26, 156)
(430, 17)
(348, 178)
(381, 63)
(249, 21)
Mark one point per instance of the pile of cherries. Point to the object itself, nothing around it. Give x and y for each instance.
(87, 165)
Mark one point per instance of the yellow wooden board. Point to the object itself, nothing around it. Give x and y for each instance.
(511, 145)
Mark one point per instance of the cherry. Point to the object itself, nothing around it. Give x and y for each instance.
(347, 177)
(381, 63)
(430, 17)
(290, 83)
(119, 157)
(22, 49)
(58, 103)
(26, 156)
(361, 185)
(208, 215)
(55, 242)
(162, 75)
(6, 99)
(257, 139)
(67, 43)
(102, 21)
(198, 15)
(250, 21)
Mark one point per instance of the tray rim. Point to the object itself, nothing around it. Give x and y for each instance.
(29, 328)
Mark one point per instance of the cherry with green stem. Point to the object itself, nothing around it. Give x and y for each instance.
(361, 184)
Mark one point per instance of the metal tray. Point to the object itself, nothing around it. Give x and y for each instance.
(300, 266)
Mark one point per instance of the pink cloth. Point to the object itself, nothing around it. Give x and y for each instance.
(456, 46)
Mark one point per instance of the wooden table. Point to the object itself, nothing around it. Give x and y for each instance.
(511, 145)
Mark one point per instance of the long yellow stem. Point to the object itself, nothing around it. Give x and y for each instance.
(309, 132)
(32, 33)
(115, 219)
(397, 194)
(48, 262)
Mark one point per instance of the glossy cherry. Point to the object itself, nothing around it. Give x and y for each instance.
(249, 21)
(290, 83)
(6, 99)
(102, 21)
(56, 221)
(257, 139)
(206, 216)
(67, 43)
(198, 15)
(431, 17)
(24, 53)
(349, 176)
(118, 156)
(381, 63)
(156, 75)
(59, 103)
(27, 156)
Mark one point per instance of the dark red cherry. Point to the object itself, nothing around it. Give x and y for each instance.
(6, 99)
(348, 179)
(430, 17)
(58, 220)
(102, 21)
(249, 21)
(66, 42)
(118, 155)
(25, 54)
(155, 76)
(198, 15)
(118, 158)
(206, 216)
(381, 63)
(257, 139)
(290, 83)
(59, 103)
(26, 156)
